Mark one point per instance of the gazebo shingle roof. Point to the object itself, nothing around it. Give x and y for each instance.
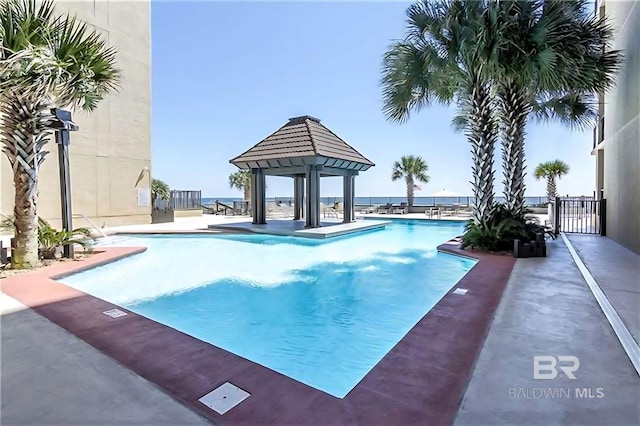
(302, 137)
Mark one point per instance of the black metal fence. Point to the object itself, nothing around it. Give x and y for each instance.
(186, 200)
(579, 215)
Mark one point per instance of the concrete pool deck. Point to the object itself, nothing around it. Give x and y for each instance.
(548, 309)
(421, 380)
(50, 377)
(617, 270)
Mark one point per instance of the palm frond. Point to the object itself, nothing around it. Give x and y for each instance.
(89, 64)
(160, 190)
(410, 167)
(240, 179)
(574, 109)
(555, 168)
(55, 59)
(411, 81)
(459, 122)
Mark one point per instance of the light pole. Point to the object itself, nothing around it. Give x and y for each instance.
(63, 124)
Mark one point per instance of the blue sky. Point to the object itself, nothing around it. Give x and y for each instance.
(227, 74)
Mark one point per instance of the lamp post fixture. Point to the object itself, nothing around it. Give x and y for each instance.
(63, 124)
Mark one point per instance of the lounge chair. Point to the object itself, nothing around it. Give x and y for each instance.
(449, 211)
(465, 212)
(433, 211)
(333, 211)
(385, 209)
(402, 209)
(330, 213)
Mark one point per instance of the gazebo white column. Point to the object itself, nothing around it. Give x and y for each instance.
(298, 197)
(258, 196)
(348, 191)
(313, 197)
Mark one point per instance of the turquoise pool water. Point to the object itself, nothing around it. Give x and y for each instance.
(321, 312)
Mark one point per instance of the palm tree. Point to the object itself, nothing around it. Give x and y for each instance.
(448, 55)
(412, 169)
(551, 170)
(241, 180)
(46, 61)
(556, 59)
(159, 189)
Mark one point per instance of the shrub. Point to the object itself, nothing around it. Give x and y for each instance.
(49, 239)
(498, 233)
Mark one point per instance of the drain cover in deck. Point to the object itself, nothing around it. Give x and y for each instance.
(114, 313)
(224, 398)
(461, 291)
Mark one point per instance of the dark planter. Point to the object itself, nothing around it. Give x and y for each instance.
(534, 248)
(4, 254)
(162, 215)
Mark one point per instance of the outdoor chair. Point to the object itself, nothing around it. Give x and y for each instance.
(330, 213)
(433, 211)
(385, 209)
(333, 211)
(401, 209)
(449, 211)
(465, 212)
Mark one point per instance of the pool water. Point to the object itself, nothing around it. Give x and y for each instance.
(322, 312)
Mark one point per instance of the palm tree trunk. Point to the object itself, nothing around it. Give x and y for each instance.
(25, 253)
(552, 191)
(25, 131)
(482, 135)
(514, 112)
(410, 191)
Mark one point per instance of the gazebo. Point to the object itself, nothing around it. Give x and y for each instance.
(304, 150)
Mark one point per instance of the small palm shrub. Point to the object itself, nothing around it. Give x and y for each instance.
(498, 232)
(492, 236)
(159, 191)
(49, 238)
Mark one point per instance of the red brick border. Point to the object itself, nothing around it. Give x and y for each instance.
(420, 381)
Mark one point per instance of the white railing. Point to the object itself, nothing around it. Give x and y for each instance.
(93, 225)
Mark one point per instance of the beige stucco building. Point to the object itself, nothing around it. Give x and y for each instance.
(617, 137)
(113, 145)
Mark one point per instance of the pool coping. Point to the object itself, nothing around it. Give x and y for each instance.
(327, 231)
(398, 218)
(422, 379)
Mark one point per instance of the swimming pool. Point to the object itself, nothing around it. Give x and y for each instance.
(322, 312)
